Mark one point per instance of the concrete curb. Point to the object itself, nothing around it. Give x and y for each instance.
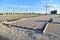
(45, 28)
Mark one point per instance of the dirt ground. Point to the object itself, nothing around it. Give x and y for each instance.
(14, 33)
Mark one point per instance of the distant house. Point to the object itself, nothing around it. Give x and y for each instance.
(54, 12)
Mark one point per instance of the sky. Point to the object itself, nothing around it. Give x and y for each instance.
(27, 6)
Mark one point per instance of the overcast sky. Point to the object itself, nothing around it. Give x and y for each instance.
(29, 5)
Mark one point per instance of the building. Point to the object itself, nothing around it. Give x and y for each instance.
(54, 12)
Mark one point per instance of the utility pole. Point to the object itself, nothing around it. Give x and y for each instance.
(46, 8)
